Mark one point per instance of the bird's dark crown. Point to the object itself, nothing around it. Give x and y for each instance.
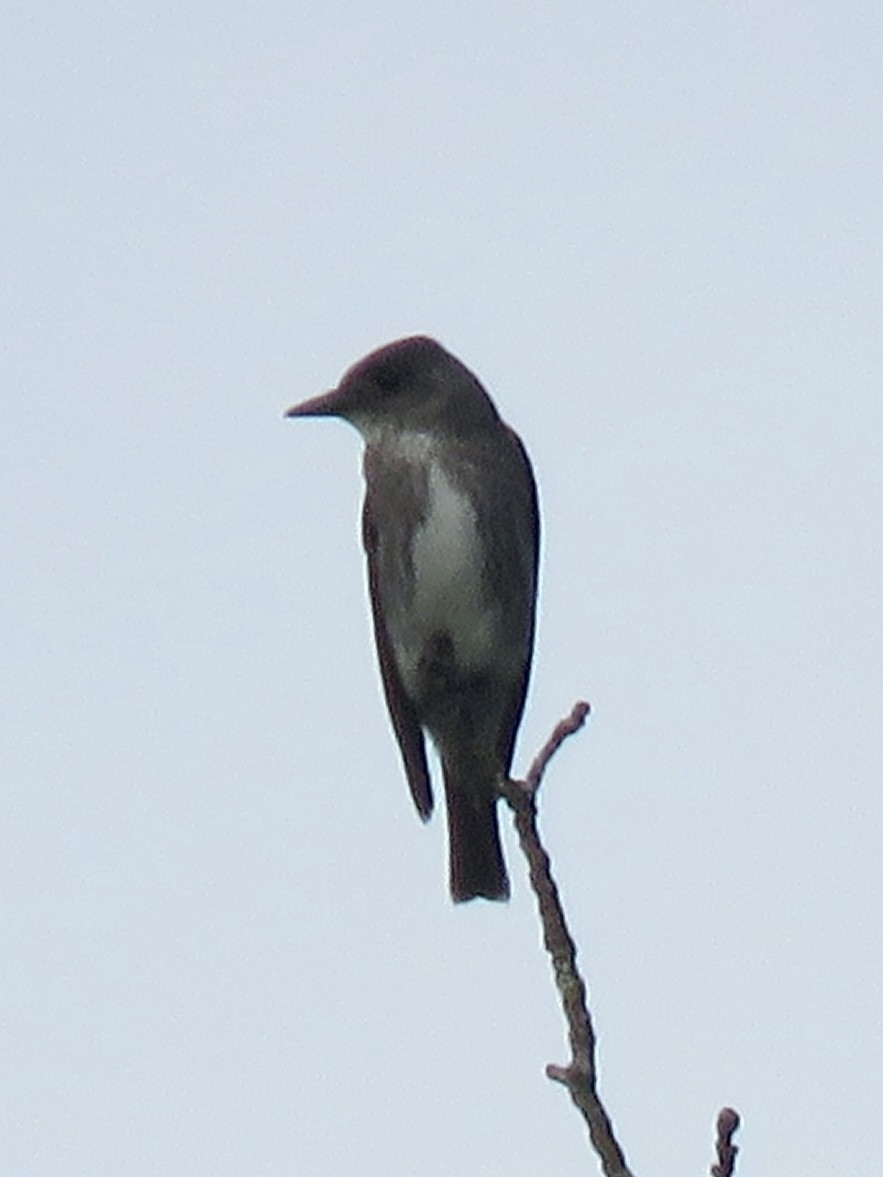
(416, 379)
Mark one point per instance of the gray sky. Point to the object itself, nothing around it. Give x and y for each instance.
(655, 232)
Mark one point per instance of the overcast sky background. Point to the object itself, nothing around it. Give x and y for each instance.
(655, 233)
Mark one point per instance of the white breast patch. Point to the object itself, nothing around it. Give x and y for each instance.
(447, 561)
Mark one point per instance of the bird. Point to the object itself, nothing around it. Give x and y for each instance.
(451, 531)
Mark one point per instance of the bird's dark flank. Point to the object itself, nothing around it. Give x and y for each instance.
(451, 531)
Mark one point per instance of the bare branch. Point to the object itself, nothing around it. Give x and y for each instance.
(579, 1076)
(727, 1123)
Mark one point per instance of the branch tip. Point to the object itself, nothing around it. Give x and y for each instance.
(727, 1122)
(567, 727)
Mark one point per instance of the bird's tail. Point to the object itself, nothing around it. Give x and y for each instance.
(476, 855)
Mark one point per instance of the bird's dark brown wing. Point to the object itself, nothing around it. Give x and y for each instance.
(523, 553)
(401, 711)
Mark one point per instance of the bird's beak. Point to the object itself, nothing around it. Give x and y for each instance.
(327, 404)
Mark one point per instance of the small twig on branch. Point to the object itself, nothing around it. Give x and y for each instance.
(567, 727)
(580, 1074)
(727, 1123)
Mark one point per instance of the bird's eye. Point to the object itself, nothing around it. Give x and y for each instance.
(387, 379)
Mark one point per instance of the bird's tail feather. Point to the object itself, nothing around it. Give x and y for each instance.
(477, 868)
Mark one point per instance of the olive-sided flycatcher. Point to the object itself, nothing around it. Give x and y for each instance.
(451, 530)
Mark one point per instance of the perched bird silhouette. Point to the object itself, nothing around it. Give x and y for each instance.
(451, 532)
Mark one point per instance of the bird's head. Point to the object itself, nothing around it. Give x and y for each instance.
(412, 384)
